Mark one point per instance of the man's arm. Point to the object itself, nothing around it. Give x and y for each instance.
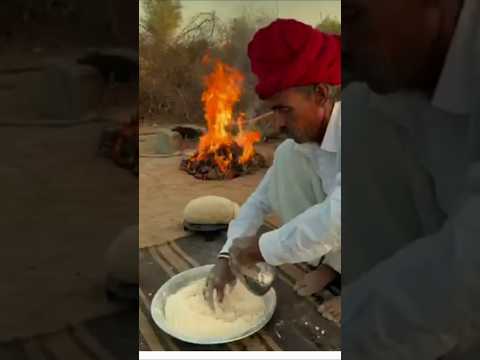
(309, 236)
(251, 213)
(246, 224)
(419, 303)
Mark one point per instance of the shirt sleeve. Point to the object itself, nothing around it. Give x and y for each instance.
(309, 236)
(423, 301)
(252, 213)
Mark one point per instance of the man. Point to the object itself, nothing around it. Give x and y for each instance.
(298, 70)
(418, 299)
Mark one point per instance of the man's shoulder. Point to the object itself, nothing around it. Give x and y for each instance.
(285, 144)
(285, 147)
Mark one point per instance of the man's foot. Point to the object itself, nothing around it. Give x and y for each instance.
(315, 281)
(332, 309)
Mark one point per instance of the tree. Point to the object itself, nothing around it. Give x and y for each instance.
(161, 19)
(330, 25)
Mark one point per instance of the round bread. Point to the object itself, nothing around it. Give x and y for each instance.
(210, 210)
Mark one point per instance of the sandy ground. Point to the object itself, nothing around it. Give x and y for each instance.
(165, 191)
(62, 206)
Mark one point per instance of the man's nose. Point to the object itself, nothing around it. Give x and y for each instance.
(280, 120)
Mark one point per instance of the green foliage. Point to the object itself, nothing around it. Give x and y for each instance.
(330, 25)
(161, 19)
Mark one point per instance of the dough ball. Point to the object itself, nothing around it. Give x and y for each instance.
(210, 210)
(236, 210)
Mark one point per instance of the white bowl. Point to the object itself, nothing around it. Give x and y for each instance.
(179, 281)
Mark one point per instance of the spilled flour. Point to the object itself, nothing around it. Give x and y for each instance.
(187, 312)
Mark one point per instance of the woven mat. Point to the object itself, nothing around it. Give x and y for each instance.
(296, 324)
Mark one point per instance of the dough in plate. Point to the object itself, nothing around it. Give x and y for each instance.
(210, 210)
(188, 314)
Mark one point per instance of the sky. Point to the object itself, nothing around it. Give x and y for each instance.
(308, 11)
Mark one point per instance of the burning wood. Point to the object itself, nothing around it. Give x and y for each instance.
(221, 154)
(208, 169)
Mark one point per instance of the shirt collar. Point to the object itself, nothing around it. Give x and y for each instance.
(332, 134)
(455, 90)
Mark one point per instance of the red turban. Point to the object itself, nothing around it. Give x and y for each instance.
(289, 53)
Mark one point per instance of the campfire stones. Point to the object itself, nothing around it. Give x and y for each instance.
(213, 174)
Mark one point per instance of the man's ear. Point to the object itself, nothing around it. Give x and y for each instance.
(321, 94)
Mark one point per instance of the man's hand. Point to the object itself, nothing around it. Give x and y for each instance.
(219, 277)
(245, 253)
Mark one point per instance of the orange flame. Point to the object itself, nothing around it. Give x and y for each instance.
(223, 89)
(246, 140)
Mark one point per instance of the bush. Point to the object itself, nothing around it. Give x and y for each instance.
(330, 25)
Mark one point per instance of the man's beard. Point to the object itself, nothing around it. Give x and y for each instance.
(293, 135)
(317, 136)
(320, 135)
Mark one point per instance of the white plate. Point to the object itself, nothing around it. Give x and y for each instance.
(179, 281)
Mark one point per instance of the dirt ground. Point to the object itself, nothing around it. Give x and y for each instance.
(62, 207)
(165, 191)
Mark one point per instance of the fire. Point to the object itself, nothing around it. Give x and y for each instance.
(223, 89)
(246, 140)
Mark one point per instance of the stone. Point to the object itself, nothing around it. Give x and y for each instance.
(167, 141)
(163, 142)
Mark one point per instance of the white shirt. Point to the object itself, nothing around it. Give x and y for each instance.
(316, 231)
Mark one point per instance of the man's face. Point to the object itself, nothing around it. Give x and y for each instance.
(301, 116)
(393, 45)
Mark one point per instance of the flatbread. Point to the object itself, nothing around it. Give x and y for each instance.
(210, 210)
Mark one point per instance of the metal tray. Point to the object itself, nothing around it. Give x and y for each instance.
(208, 228)
(179, 281)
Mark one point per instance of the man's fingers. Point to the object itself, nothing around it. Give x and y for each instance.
(207, 285)
(209, 298)
(234, 266)
(220, 293)
(208, 293)
(205, 291)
